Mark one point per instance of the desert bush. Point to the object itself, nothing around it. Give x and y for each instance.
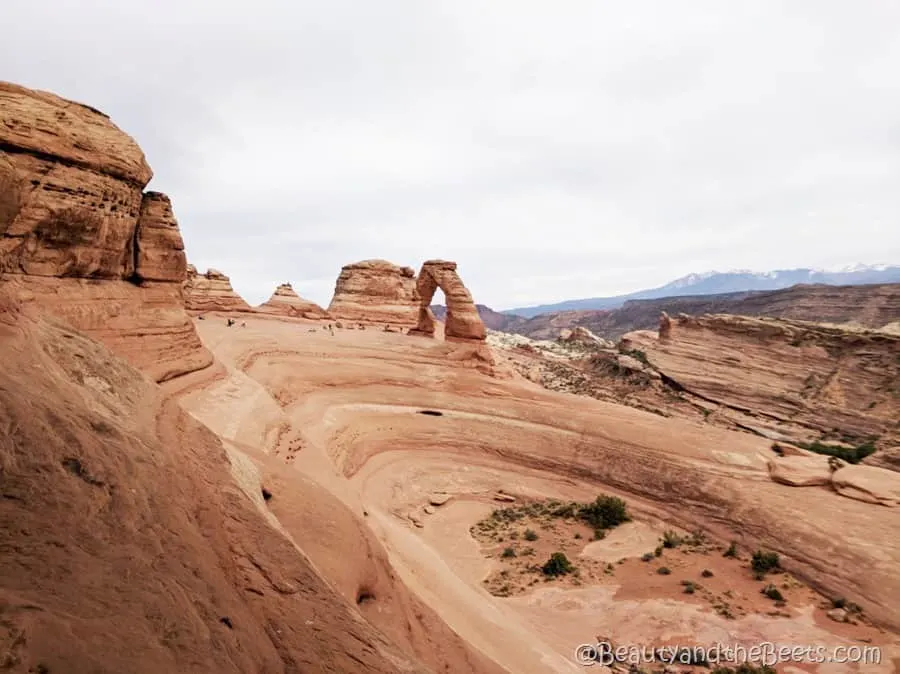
(772, 592)
(671, 540)
(508, 552)
(848, 454)
(731, 551)
(605, 512)
(707, 573)
(531, 535)
(664, 571)
(557, 565)
(764, 562)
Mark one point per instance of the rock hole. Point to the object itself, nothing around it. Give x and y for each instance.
(266, 494)
(431, 413)
(225, 620)
(363, 595)
(77, 469)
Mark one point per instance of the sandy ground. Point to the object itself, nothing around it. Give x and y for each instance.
(342, 412)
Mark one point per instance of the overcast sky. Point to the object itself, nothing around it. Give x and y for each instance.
(556, 150)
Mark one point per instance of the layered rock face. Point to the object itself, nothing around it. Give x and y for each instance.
(286, 302)
(462, 319)
(211, 291)
(79, 236)
(798, 379)
(376, 291)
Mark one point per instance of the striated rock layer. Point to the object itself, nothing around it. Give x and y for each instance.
(376, 291)
(286, 302)
(837, 385)
(211, 291)
(462, 319)
(79, 236)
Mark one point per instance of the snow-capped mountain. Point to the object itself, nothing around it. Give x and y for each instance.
(738, 280)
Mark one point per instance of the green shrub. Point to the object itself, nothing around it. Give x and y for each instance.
(664, 571)
(731, 551)
(848, 454)
(531, 535)
(764, 562)
(508, 552)
(671, 540)
(772, 592)
(605, 512)
(557, 565)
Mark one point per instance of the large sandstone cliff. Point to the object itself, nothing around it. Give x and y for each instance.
(211, 291)
(376, 291)
(286, 302)
(80, 236)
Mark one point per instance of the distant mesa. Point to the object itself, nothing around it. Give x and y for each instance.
(462, 320)
(376, 291)
(286, 302)
(211, 291)
(80, 237)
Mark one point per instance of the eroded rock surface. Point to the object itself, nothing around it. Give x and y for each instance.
(376, 291)
(211, 291)
(462, 320)
(79, 235)
(804, 380)
(286, 302)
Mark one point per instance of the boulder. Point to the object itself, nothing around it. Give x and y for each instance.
(79, 237)
(438, 499)
(800, 471)
(286, 302)
(868, 483)
(376, 291)
(211, 291)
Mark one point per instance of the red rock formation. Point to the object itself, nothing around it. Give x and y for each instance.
(376, 291)
(79, 236)
(211, 291)
(462, 320)
(286, 302)
(802, 380)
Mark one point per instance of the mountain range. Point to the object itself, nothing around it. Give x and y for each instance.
(714, 283)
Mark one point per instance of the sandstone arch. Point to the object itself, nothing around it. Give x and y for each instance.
(462, 321)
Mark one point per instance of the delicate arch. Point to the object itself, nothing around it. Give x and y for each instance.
(462, 321)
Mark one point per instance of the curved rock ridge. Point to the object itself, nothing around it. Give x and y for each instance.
(80, 238)
(462, 321)
(376, 291)
(286, 302)
(211, 291)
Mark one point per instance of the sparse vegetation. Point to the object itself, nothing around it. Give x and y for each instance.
(557, 565)
(731, 551)
(531, 535)
(647, 556)
(849, 454)
(605, 512)
(671, 540)
(772, 592)
(508, 552)
(707, 573)
(664, 571)
(689, 586)
(764, 562)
